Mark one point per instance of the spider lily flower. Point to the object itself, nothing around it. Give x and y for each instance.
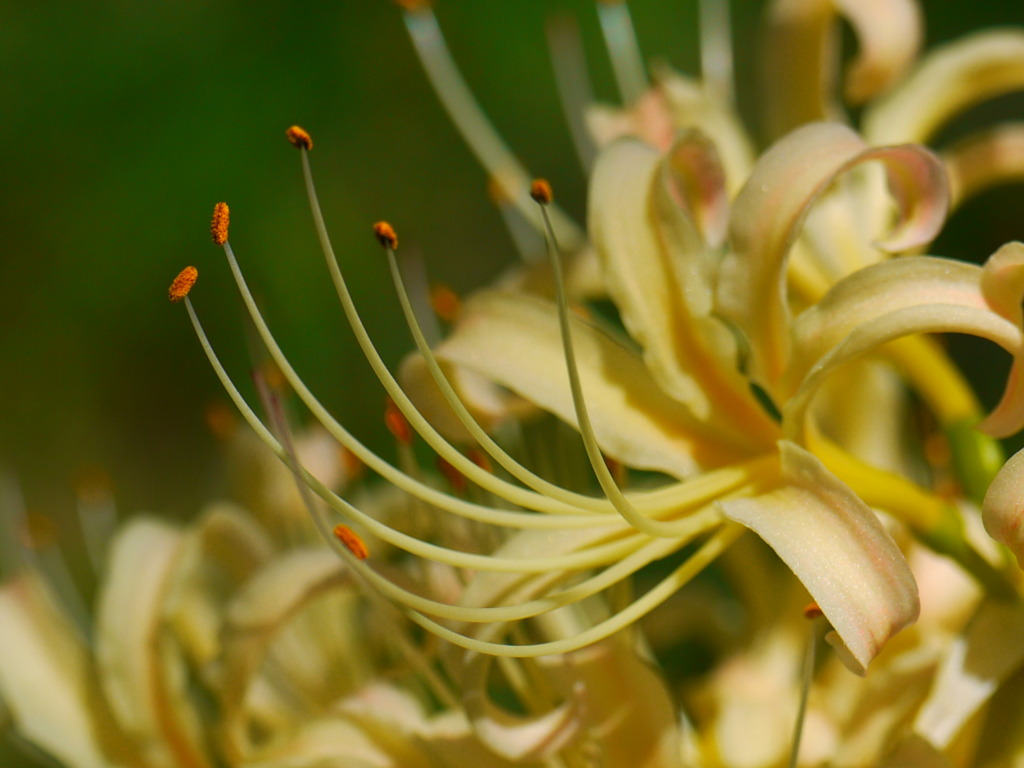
(695, 258)
(681, 405)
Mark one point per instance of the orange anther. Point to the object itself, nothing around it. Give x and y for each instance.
(396, 423)
(386, 234)
(445, 303)
(540, 191)
(351, 540)
(299, 137)
(813, 611)
(182, 284)
(219, 223)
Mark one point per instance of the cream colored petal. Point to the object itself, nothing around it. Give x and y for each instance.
(979, 661)
(769, 212)
(139, 664)
(951, 79)
(515, 737)
(660, 272)
(514, 340)
(889, 34)
(46, 681)
(911, 295)
(984, 160)
(450, 742)
(840, 551)
(1003, 508)
(258, 613)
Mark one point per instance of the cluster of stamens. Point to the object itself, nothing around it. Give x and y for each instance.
(630, 529)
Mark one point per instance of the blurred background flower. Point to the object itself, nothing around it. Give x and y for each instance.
(124, 122)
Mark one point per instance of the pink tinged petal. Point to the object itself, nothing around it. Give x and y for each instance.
(984, 160)
(649, 219)
(140, 666)
(948, 81)
(1003, 508)
(840, 551)
(770, 210)
(45, 679)
(984, 656)
(514, 340)
(906, 296)
(691, 107)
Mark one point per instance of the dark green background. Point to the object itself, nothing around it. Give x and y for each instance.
(123, 122)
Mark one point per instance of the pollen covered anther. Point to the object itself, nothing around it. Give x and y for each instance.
(540, 191)
(299, 137)
(219, 223)
(386, 234)
(182, 284)
(353, 543)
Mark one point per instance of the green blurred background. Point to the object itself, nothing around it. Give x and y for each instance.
(125, 121)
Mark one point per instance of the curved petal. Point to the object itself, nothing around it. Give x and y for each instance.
(913, 295)
(801, 61)
(660, 271)
(140, 669)
(985, 159)
(691, 107)
(770, 210)
(889, 33)
(515, 341)
(517, 737)
(218, 555)
(949, 80)
(256, 615)
(1003, 508)
(840, 551)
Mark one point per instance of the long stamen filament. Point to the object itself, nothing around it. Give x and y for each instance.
(494, 450)
(486, 480)
(604, 477)
(492, 152)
